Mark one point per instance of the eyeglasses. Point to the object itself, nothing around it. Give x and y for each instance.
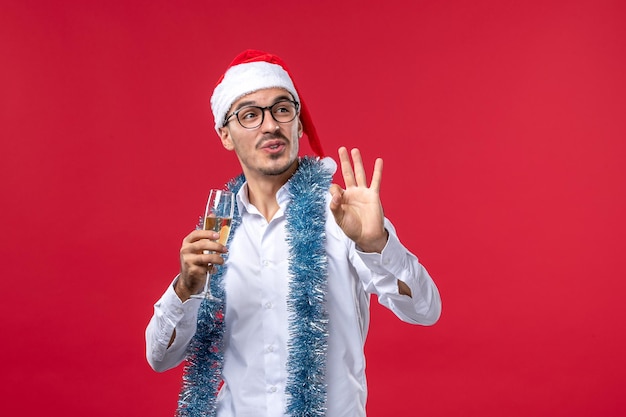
(251, 117)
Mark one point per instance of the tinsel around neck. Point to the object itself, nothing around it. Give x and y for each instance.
(308, 323)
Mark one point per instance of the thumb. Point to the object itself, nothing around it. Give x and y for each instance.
(336, 192)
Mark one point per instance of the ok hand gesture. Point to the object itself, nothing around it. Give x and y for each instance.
(357, 209)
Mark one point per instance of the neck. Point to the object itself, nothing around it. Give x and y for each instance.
(262, 190)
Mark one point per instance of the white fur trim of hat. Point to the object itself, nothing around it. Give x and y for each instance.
(244, 79)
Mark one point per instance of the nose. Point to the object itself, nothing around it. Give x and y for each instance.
(269, 124)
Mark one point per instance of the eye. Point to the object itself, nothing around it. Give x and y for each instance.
(283, 107)
(249, 113)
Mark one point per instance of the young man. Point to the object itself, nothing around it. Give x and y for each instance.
(287, 334)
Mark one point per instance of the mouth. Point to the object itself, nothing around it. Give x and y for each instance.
(273, 146)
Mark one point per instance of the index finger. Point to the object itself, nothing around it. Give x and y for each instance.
(198, 234)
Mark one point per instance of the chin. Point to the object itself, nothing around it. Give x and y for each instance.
(275, 171)
(278, 169)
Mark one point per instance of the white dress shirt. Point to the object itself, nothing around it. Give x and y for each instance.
(256, 316)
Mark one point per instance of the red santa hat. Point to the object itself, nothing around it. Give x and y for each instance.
(251, 71)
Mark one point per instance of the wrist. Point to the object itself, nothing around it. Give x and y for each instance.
(182, 290)
(374, 245)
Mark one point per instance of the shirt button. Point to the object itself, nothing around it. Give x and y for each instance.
(270, 348)
(265, 262)
(273, 389)
(268, 305)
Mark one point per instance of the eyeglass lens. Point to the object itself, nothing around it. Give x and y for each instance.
(252, 116)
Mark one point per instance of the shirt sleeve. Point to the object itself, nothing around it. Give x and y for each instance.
(395, 263)
(170, 314)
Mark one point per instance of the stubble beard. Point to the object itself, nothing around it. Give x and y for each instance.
(276, 171)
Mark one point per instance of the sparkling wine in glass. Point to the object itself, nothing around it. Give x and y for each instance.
(217, 217)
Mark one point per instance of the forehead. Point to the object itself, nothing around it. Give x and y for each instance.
(264, 97)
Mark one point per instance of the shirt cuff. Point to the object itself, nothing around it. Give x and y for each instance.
(176, 311)
(391, 260)
(387, 267)
(171, 313)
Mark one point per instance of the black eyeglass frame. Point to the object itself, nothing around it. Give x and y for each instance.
(236, 113)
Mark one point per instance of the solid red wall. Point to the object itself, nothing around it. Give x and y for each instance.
(502, 129)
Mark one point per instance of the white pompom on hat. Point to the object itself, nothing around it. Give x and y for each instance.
(251, 71)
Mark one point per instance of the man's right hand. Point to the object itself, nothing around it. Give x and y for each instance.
(198, 253)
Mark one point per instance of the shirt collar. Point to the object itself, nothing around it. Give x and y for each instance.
(243, 202)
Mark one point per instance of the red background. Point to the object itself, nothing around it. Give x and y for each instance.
(502, 128)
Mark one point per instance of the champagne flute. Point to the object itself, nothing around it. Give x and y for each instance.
(217, 217)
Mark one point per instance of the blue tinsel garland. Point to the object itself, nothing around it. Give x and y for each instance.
(308, 321)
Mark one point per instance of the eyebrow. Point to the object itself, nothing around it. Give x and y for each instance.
(254, 103)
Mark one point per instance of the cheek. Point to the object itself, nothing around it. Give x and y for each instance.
(243, 148)
(297, 132)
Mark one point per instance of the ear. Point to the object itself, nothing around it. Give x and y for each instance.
(227, 141)
(300, 128)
